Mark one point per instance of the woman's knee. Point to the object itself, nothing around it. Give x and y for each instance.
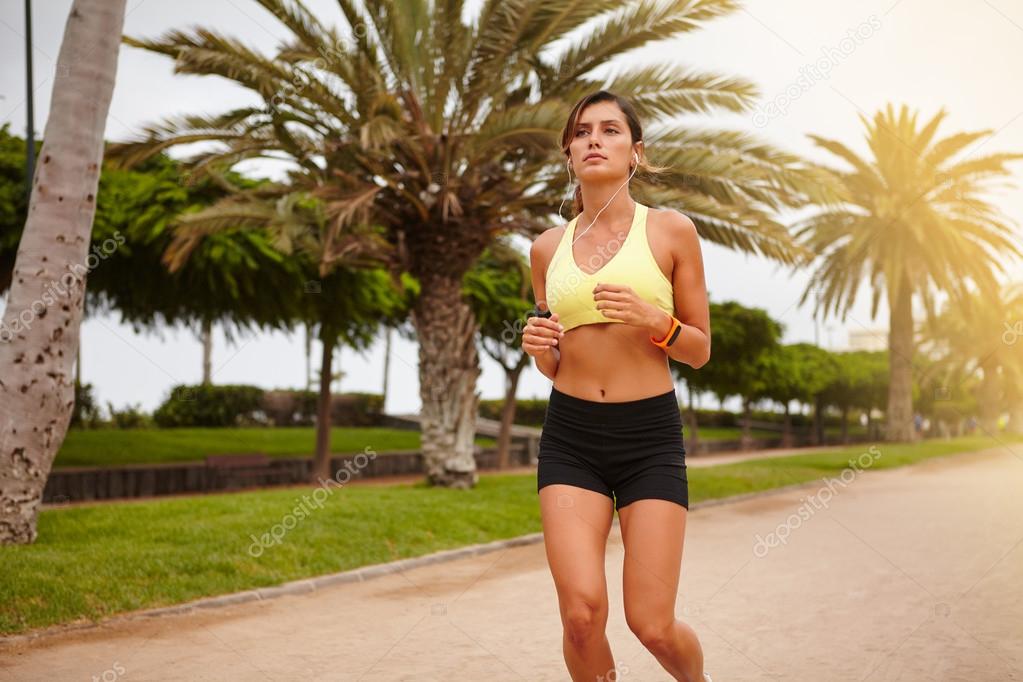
(584, 619)
(655, 633)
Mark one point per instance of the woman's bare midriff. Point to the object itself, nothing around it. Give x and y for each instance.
(611, 362)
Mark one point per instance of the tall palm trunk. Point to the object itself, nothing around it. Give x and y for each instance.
(387, 364)
(40, 331)
(448, 370)
(308, 356)
(899, 416)
(207, 352)
(321, 459)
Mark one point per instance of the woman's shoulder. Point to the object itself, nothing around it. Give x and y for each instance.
(546, 242)
(671, 231)
(670, 219)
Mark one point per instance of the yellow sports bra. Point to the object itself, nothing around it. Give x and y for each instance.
(570, 290)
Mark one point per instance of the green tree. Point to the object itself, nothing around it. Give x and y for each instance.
(499, 289)
(979, 336)
(785, 378)
(916, 225)
(13, 201)
(338, 290)
(820, 369)
(743, 336)
(850, 387)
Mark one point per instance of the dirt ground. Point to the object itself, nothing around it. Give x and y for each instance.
(907, 574)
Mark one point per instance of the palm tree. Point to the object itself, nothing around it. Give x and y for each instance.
(349, 301)
(39, 333)
(445, 134)
(499, 288)
(970, 337)
(916, 225)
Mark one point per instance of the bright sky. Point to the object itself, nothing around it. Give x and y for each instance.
(831, 60)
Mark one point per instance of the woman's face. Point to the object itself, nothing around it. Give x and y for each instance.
(602, 143)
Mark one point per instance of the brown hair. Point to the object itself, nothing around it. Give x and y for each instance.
(631, 118)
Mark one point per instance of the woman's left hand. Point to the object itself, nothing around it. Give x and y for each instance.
(620, 302)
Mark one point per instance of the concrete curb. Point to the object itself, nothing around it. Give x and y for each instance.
(361, 574)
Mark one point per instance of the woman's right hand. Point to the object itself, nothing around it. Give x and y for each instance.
(541, 334)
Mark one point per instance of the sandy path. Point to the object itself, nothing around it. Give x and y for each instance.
(907, 574)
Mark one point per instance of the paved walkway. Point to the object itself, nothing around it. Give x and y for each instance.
(907, 574)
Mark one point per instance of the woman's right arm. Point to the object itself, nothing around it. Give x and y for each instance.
(540, 337)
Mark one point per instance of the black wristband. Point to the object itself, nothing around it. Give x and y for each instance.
(678, 330)
(535, 312)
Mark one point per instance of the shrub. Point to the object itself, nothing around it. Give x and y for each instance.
(239, 405)
(211, 405)
(131, 417)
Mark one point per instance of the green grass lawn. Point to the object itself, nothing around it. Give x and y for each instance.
(114, 447)
(93, 561)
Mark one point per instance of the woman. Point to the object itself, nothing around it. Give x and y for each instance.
(611, 310)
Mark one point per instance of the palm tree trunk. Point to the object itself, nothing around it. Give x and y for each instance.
(448, 370)
(321, 458)
(38, 343)
(899, 415)
(508, 412)
(387, 363)
(309, 356)
(76, 411)
(207, 352)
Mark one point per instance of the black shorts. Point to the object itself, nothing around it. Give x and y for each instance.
(628, 450)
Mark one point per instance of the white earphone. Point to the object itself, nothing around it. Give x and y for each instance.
(568, 163)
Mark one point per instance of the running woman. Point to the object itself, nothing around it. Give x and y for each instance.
(615, 300)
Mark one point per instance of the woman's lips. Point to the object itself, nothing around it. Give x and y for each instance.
(595, 157)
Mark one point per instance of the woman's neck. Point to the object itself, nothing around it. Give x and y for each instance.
(619, 211)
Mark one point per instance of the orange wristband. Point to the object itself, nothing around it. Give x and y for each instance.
(670, 337)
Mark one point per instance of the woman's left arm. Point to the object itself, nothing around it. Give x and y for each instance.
(620, 302)
(690, 292)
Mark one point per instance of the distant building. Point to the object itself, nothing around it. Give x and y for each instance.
(868, 339)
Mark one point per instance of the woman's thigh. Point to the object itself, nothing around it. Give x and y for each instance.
(576, 524)
(653, 534)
